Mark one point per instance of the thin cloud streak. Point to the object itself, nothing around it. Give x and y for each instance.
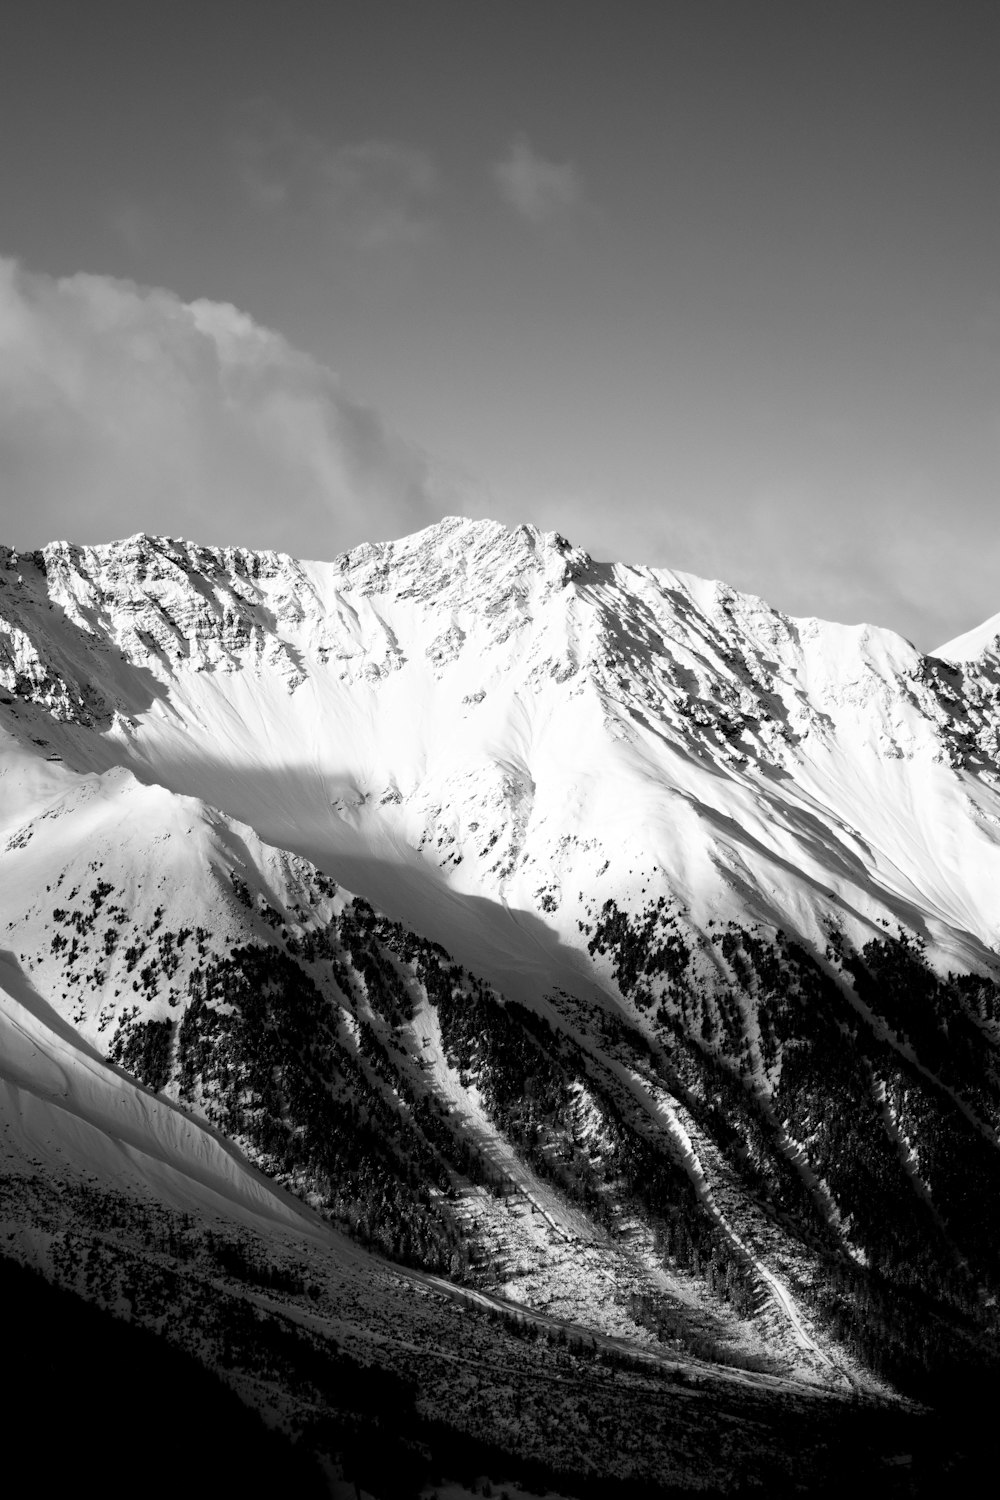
(371, 195)
(536, 189)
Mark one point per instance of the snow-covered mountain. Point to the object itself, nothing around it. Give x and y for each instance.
(597, 938)
(490, 714)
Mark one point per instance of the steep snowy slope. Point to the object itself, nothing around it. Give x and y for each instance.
(491, 714)
(725, 1037)
(974, 644)
(71, 1116)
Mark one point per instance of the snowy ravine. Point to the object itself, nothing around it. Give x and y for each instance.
(593, 939)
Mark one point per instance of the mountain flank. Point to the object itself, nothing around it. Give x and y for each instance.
(583, 972)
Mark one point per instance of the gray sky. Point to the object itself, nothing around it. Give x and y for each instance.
(706, 285)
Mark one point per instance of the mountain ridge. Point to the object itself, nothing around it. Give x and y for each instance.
(716, 687)
(668, 999)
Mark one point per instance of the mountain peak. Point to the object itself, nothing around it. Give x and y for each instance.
(973, 644)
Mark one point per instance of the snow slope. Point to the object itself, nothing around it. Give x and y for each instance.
(472, 722)
(68, 1114)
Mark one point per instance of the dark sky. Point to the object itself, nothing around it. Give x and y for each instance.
(712, 286)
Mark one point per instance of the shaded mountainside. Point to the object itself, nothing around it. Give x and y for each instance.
(393, 1389)
(668, 1022)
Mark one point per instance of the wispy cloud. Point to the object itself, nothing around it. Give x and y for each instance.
(371, 194)
(123, 408)
(537, 189)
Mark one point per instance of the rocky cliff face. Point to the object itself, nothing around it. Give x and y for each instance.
(675, 1008)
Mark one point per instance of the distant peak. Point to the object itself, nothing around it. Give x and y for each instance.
(974, 643)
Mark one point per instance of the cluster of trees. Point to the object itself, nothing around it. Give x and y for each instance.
(903, 1146)
(258, 1045)
(359, 933)
(143, 1047)
(647, 948)
(944, 1020)
(528, 1077)
(243, 1261)
(908, 1169)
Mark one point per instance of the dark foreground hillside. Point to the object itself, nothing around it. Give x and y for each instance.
(85, 1394)
(83, 1390)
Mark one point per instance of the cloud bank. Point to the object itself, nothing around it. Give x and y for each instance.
(537, 189)
(123, 408)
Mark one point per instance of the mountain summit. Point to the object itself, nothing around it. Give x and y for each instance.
(597, 939)
(469, 707)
